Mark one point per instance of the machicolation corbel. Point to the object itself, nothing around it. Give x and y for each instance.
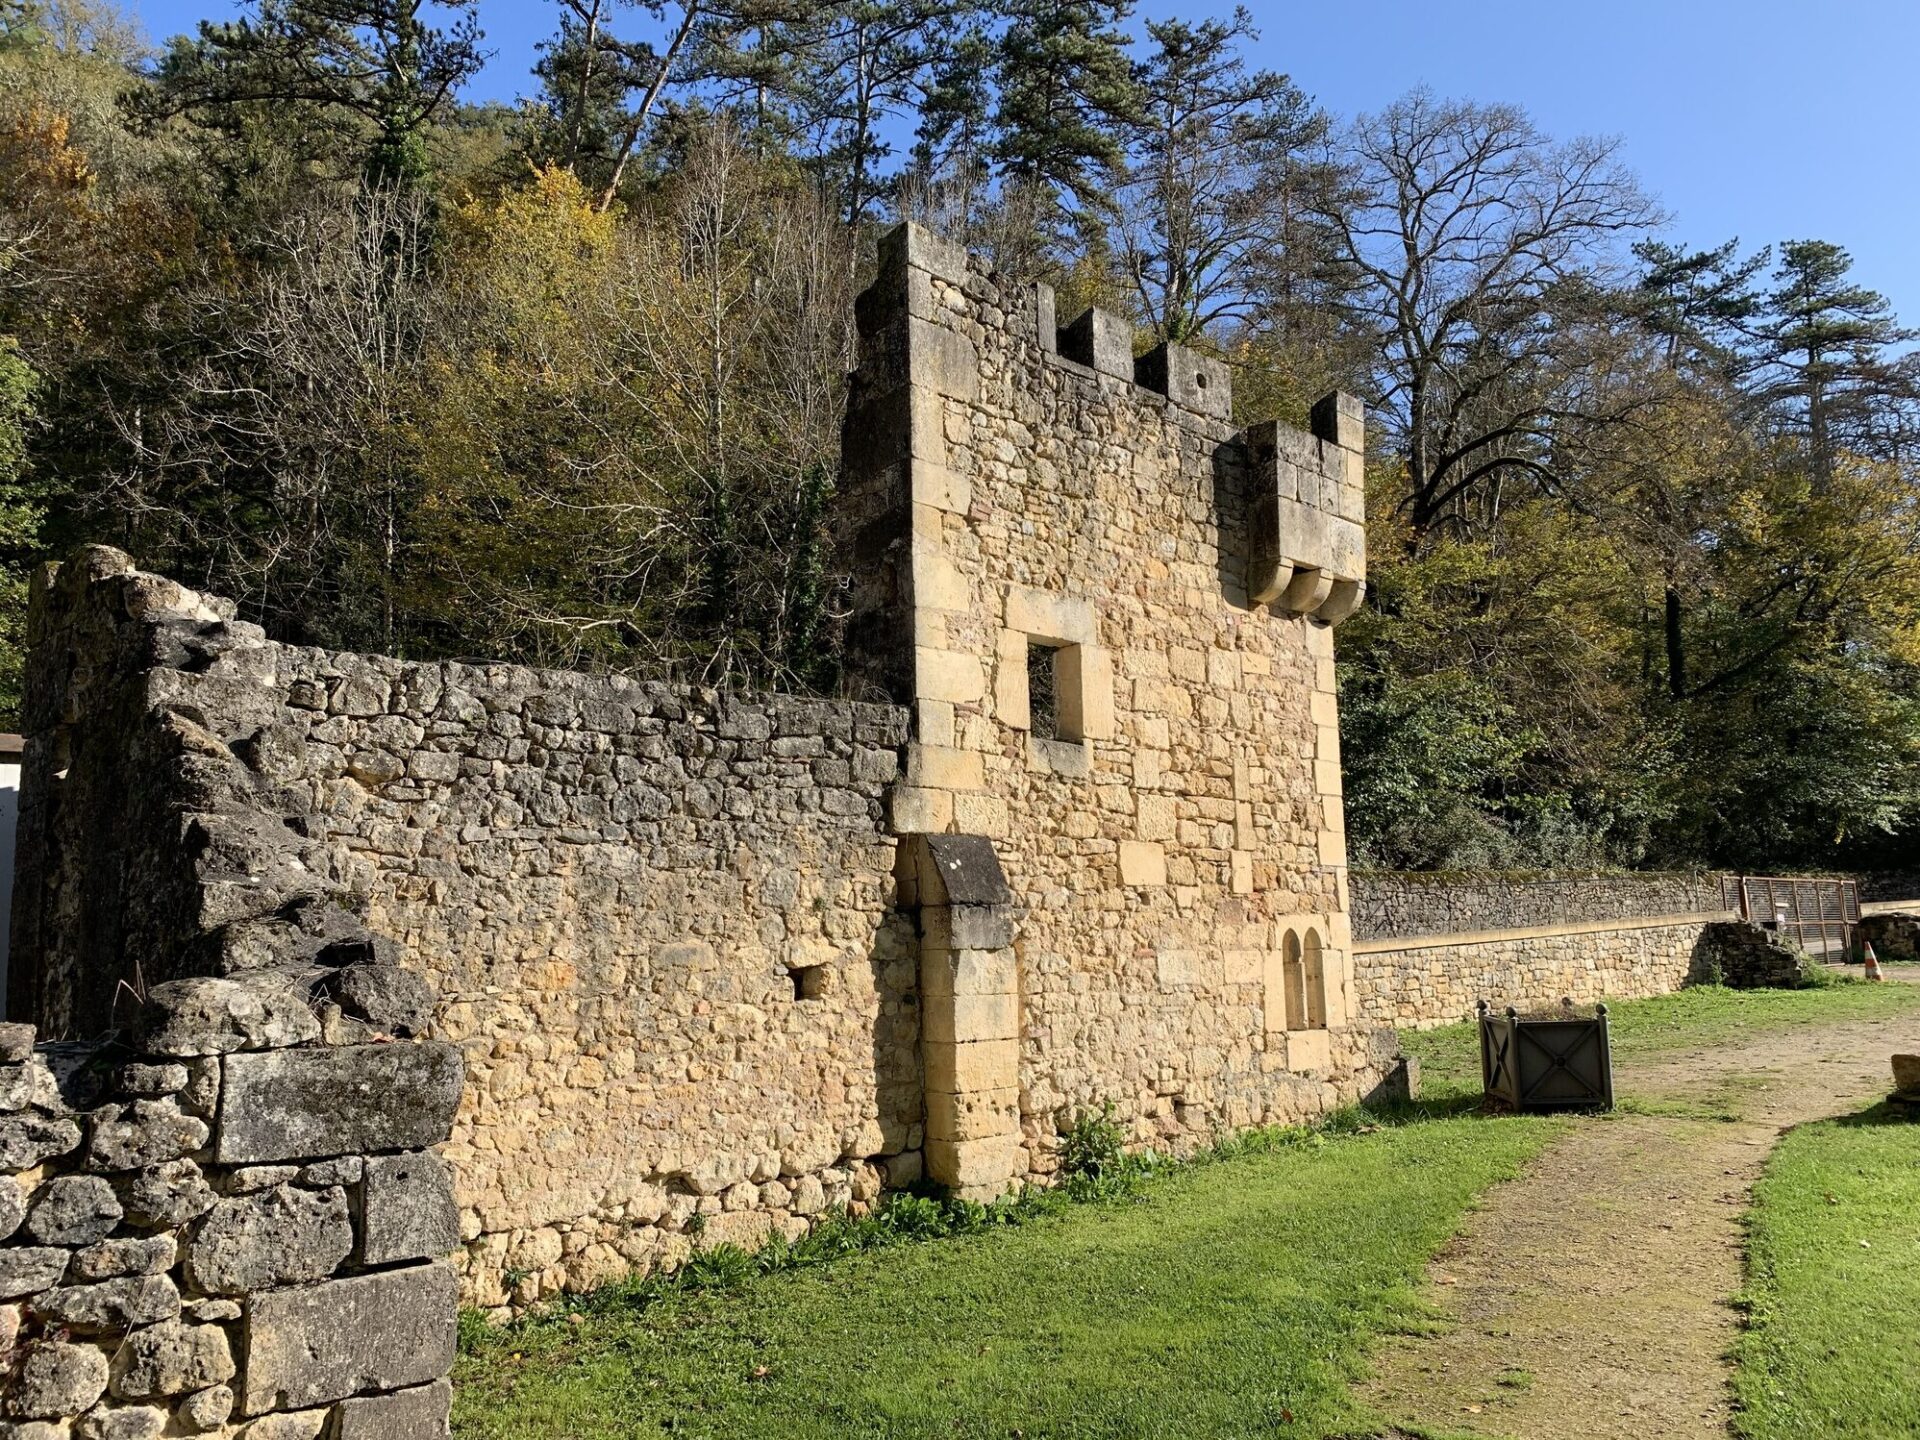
(1307, 537)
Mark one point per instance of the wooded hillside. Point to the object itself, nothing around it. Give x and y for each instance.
(285, 317)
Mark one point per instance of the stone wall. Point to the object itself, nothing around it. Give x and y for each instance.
(1028, 504)
(1397, 904)
(1882, 887)
(226, 1216)
(1428, 946)
(227, 1227)
(659, 922)
(716, 964)
(1436, 981)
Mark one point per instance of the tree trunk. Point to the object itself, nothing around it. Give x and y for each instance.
(1676, 648)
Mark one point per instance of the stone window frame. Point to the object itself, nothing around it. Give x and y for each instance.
(1303, 970)
(1083, 677)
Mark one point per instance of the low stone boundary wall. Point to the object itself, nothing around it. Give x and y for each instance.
(1427, 947)
(1435, 980)
(1403, 904)
(1890, 887)
(226, 1227)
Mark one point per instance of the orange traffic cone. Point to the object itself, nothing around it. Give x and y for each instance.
(1871, 961)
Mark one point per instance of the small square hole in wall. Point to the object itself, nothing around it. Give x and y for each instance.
(1043, 689)
(809, 981)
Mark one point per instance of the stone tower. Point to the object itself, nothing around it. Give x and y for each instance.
(1109, 609)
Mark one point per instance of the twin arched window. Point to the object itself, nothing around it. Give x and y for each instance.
(1304, 972)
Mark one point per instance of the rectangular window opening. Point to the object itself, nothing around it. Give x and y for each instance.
(1043, 689)
(809, 981)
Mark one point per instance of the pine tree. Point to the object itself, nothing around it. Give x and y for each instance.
(1213, 200)
(603, 91)
(377, 65)
(1826, 371)
(1699, 303)
(1065, 88)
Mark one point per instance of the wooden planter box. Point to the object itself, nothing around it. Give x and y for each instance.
(1550, 1063)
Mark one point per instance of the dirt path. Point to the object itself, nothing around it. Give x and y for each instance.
(1592, 1294)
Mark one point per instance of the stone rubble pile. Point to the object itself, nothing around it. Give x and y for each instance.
(1752, 957)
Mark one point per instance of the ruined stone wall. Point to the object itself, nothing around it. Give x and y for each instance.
(225, 1228)
(223, 1214)
(1427, 947)
(659, 921)
(1170, 828)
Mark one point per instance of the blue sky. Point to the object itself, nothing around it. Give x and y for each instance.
(1765, 119)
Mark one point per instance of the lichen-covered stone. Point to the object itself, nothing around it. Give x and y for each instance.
(282, 1236)
(386, 1331)
(212, 1016)
(150, 1082)
(58, 1379)
(250, 1178)
(172, 1359)
(408, 1209)
(322, 1174)
(168, 1195)
(285, 1105)
(16, 1088)
(123, 1422)
(73, 1210)
(13, 1206)
(143, 1134)
(419, 1414)
(388, 998)
(29, 1269)
(16, 1042)
(302, 1425)
(27, 1140)
(207, 1409)
(110, 1259)
(111, 1304)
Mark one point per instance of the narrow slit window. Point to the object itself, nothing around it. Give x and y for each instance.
(1043, 689)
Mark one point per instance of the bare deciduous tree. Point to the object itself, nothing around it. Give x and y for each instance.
(1477, 242)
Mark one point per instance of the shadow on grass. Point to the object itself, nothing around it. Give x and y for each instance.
(1886, 1113)
(1448, 1106)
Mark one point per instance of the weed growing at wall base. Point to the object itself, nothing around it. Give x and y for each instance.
(1230, 1295)
(1095, 1167)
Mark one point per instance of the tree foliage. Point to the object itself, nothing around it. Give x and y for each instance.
(287, 316)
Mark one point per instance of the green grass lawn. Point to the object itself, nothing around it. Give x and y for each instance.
(1235, 1298)
(1834, 1284)
(1645, 1029)
(1232, 1299)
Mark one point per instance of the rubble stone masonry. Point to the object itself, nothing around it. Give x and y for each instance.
(221, 1212)
(659, 923)
(717, 964)
(1428, 946)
